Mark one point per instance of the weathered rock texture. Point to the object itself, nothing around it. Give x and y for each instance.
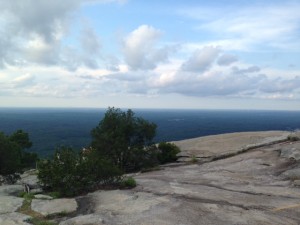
(50, 207)
(240, 179)
(14, 219)
(245, 180)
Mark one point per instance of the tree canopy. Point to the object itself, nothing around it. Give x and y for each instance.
(123, 138)
(13, 158)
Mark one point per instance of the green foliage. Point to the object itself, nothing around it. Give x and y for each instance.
(54, 194)
(293, 137)
(167, 152)
(26, 196)
(12, 157)
(129, 182)
(21, 138)
(124, 139)
(194, 159)
(70, 173)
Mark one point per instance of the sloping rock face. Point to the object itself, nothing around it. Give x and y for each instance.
(210, 147)
(245, 179)
(249, 188)
(50, 207)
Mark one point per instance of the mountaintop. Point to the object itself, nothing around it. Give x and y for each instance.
(238, 178)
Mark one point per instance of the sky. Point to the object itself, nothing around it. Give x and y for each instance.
(185, 54)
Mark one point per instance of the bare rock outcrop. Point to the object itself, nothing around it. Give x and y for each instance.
(55, 206)
(235, 186)
(250, 178)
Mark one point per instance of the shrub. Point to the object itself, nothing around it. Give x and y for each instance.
(194, 159)
(129, 183)
(292, 138)
(167, 152)
(54, 194)
(70, 173)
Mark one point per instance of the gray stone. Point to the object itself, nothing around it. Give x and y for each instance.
(208, 147)
(297, 183)
(291, 151)
(126, 202)
(36, 191)
(293, 174)
(14, 219)
(50, 207)
(10, 204)
(84, 220)
(11, 189)
(29, 177)
(40, 196)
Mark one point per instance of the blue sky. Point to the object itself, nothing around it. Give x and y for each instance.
(150, 54)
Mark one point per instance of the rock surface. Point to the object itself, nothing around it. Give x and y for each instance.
(14, 219)
(40, 196)
(10, 204)
(50, 207)
(248, 187)
(84, 220)
(242, 179)
(208, 147)
(9, 190)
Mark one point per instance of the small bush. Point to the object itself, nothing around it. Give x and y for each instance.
(293, 138)
(21, 194)
(194, 159)
(129, 183)
(28, 196)
(54, 194)
(70, 173)
(167, 152)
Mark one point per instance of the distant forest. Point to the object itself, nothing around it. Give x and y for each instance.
(51, 128)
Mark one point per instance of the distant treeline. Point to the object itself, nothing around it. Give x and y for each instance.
(51, 128)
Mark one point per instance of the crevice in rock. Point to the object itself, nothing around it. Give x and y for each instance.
(209, 201)
(238, 191)
(239, 151)
(85, 206)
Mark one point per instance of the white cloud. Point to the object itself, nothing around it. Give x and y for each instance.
(23, 81)
(250, 69)
(227, 59)
(248, 26)
(201, 59)
(140, 51)
(35, 32)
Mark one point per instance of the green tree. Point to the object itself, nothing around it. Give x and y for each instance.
(10, 156)
(13, 157)
(123, 138)
(21, 138)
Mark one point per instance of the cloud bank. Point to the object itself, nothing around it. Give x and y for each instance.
(51, 50)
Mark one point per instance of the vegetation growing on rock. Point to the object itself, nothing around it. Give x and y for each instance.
(70, 173)
(13, 157)
(121, 143)
(124, 139)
